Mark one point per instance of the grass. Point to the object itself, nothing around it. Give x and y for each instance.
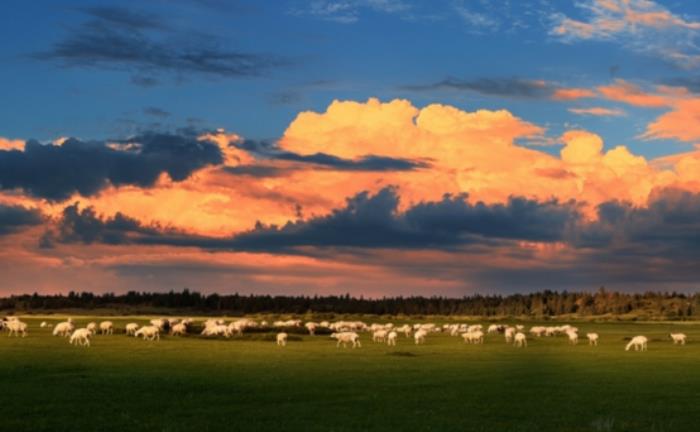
(249, 384)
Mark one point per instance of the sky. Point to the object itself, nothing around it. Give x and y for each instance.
(370, 147)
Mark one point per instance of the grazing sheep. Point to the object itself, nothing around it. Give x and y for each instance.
(80, 337)
(419, 336)
(16, 327)
(347, 337)
(538, 331)
(379, 336)
(64, 329)
(148, 333)
(638, 342)
(573, 337)
(217, 330)
(311, 327)
(282, 339)
(179, 329)
(678, 338)
(43, 324)
(509, 333)
(493, 328)
(592, 338)
(519, 340)
(92, 327)
(159, 322)
(476, 337)
(406, 330)
(391, 338)
(520, 327)
(131, 329)
(106, 328)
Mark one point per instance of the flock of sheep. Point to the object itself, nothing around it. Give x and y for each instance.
(344, 332)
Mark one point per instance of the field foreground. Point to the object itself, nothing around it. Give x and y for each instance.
(249, 384)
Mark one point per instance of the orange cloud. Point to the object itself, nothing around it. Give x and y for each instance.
(681, 123)
(623, 91)
(10, 144)
(569, 94)
(598, 111)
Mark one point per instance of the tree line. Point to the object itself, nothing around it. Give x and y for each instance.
(650, 305)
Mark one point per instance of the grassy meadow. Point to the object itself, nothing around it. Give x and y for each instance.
(249, 384)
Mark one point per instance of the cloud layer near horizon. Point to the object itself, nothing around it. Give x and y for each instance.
(362, 196)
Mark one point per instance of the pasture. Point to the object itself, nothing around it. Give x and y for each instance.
(248, 383)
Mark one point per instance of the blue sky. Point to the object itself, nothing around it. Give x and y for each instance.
(322, 51)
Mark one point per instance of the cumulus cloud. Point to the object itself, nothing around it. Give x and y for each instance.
(56, 171)
(14, 218)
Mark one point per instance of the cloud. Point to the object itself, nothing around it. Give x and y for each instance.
(270, 151)
(366, 221)
(143, 44)
(505, 87)
(681, 123)
(58, 171)
(14, 218)
(156, 112)
(598, 111)
(570, 94)
(349, 11)
(632, 94)
(640, 25)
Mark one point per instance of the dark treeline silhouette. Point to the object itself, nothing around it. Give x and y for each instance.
(540, 304)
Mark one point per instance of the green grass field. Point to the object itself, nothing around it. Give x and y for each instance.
(250, 384)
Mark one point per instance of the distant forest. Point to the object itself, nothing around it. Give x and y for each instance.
(650, 305)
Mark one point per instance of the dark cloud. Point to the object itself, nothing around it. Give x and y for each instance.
(374, 221)
(144, 81)
(156, 112)
(56, 172)
(668, 226)
(268, 150)
(505, 87)
(14, 218)
(122, 39)
(692, 83)
(258, 171)
(367, 221)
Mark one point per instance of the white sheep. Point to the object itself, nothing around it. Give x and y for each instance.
(80, 337)
(43, 324)
(493, 328)
(419, 336)
(311, 327)
(379, 336)
(92, 327)
(16, 327)
(405, 329)
(282, 339)
(64, 328)
(347, 337)
(148, 332)
(520, 340)
(216, 330)
(179, 329)
(509, 333)
(131, 329)
(573, 337)
(538, 331)
(476, 337)
(678, 338)
(106, 328)
(158, 322)
(638, 342)
(391, 338)
(592, 338)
